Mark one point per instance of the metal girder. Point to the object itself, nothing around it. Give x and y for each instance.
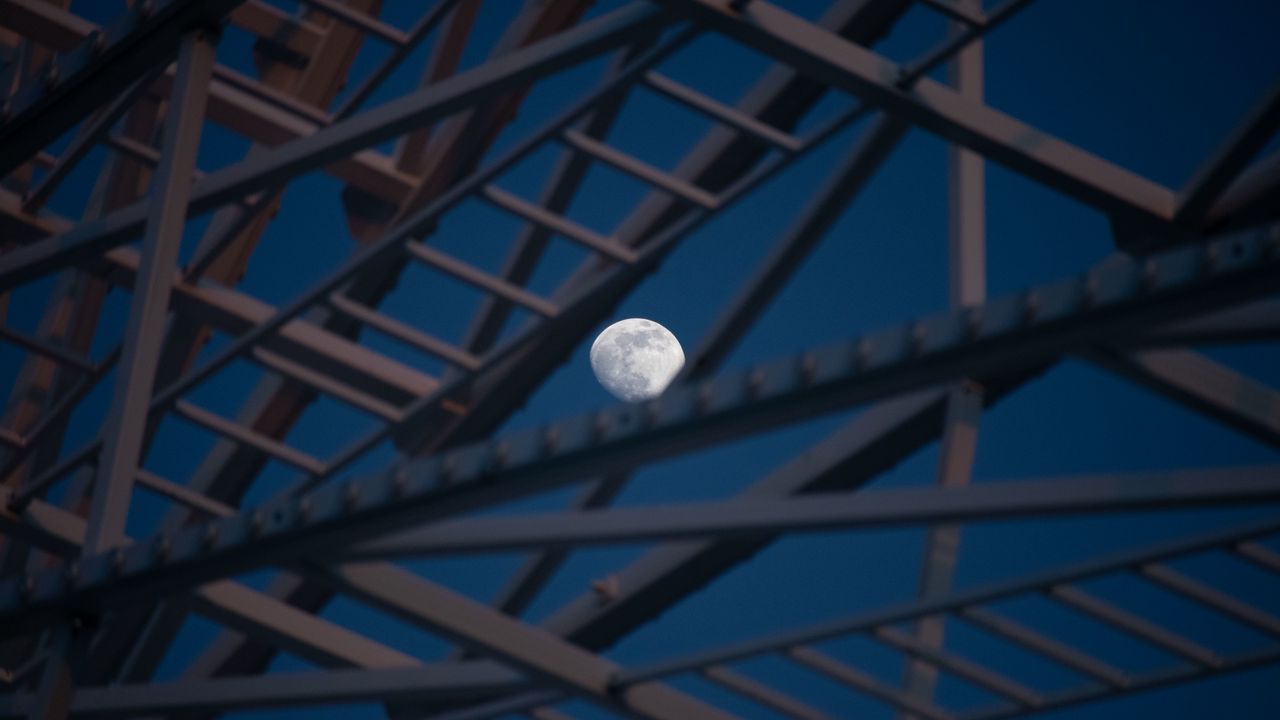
(1253, 322)
(316, 639)
(1203, 385)
(1251, 199)
(955, 601)
(252, 108)
(829, 204)
(340, 139)
(812, 513)
(455, 150)
(1213, 178)
(938, 108)
(49, 25)
(98, 69)
(866, 22)
(1022, 331)
(123, 432)
(967, 265)
(533, 650)
(442, 681)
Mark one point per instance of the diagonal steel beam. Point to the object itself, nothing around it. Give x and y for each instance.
(341, 139)
(1251, 199)
(1226, 163)
(1203, 385)
(940, 109)
(99, 68)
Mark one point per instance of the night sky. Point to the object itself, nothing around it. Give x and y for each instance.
(1151, 86)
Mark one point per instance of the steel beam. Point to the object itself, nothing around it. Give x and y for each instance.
(851, 677)
(535, 651)
(1203, 385)
(967, 263)
(340, 139)
(126, 424)
(1213, 178)
(1251, 199)
(865, 510)
(437, 682)
(1024, 331)
(1254, 322)
(954, 601)
(318, 640)
(935, 107)
(1141, 683)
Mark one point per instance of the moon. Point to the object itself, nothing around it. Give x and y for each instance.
(636, 359)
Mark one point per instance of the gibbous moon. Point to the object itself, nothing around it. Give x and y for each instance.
(636, 359)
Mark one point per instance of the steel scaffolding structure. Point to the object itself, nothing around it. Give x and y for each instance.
(88, 613)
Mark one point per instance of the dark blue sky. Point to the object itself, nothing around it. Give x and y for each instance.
(1152, 86)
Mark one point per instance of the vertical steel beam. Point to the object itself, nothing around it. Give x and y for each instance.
(65, 651)
(126, 422)
(968, 287)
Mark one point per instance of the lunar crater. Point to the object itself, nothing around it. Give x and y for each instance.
(636, 359)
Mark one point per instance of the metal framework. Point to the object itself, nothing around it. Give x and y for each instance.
(88, 614)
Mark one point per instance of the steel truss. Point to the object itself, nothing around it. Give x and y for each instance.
(87, 614)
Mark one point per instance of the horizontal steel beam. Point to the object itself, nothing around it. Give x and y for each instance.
(318, 640)
(1208, 387)
(1022, 331)
(811, 513)
(442, 681)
